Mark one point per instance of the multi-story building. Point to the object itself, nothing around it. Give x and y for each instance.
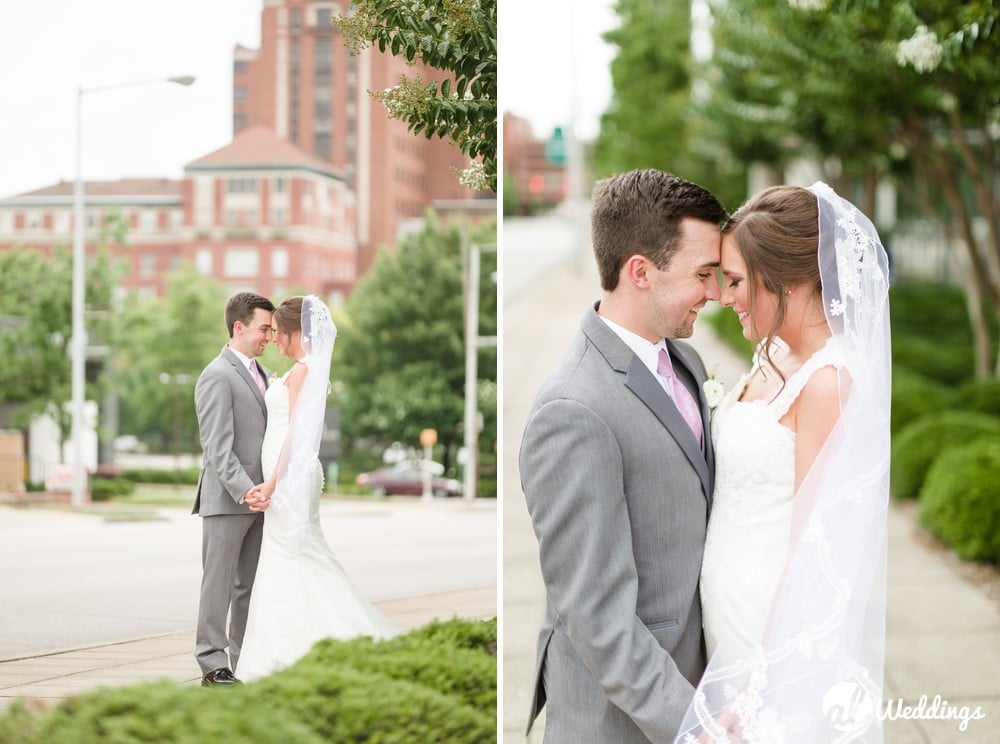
(303, 84)
(537, 180)
(256, 214)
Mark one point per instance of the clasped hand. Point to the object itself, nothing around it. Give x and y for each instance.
(258, 498)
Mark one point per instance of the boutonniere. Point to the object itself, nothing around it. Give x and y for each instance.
(272, 379)
(715, 391)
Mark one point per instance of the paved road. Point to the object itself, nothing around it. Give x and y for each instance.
(73, 579)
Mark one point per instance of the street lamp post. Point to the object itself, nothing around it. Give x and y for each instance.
(473, 342)
(79, 341)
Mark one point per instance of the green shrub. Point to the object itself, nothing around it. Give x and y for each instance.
(944, 361)
(929, 310)
(960, 500)
(917, 445)
(913, 396)
(434, 684)
(185, 476)
(105, 489)
(979, 395)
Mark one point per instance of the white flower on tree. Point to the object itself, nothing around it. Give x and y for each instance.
(922, 50)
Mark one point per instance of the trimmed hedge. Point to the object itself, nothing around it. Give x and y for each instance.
(979, 395)
(960, 500)
(916, 447)
(937, 359)
(913, 396)
(105, 489)
(185, 476)
(435, 684)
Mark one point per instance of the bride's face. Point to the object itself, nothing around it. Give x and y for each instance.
(288, 342)
(736, 293)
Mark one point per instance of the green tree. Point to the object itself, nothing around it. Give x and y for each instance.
(173, 337)
(882, 89)
(651, 120)
(36, 323)
(399, 366)
(455, 37)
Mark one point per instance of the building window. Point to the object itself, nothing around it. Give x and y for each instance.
(147, 265)
(239, 67)
(323, 77)
(203, 261)
(294, 50)
(279, 217)
(242, 262)
(324, 18)
(324, 52)
(322, 110)
(322, 143)
(279, 185)
(239, 122)
(239, 93)
(296, 20)
(279, 262)
(242, 185)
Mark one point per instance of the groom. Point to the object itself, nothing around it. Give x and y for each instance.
(229, 400)
(617, 466)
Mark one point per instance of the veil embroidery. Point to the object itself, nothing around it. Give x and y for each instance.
(816, 674)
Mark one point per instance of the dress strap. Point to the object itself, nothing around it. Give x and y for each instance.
(828, 356)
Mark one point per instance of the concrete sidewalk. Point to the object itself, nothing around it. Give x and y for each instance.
(49, 678)
(943, 630)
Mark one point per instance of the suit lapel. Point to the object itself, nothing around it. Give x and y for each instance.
(245, 374)
(641, 383)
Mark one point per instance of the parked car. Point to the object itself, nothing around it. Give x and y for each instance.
(407, 478)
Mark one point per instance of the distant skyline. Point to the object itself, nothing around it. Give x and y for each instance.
(48, 50)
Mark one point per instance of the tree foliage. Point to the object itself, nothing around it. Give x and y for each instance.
(870, 91)
(36, 324)
(651, 120)
(399, 366)
(175, 335)
(455, 37)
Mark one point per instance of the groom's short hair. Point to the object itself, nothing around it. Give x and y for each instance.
(639, 212)
(241, 307)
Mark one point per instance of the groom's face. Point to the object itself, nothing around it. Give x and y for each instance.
(680, 291)
(253, 337)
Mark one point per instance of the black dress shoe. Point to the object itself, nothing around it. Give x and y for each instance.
(221, 676)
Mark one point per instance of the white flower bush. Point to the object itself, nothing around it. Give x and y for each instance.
(922, 50)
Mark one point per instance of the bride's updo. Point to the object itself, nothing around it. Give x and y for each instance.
(777, 234)
(288, 315)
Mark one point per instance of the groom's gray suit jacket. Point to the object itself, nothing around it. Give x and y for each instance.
(619, 493)
(232, 418)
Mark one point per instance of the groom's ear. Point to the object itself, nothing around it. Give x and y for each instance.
(635, 271)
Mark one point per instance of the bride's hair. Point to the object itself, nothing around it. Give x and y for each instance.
(777, 234)
(288, 315)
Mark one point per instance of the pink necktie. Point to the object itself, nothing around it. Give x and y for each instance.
(682, 397)
(256, 377)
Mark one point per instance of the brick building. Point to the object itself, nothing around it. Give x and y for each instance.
(537, 182)
(303, 84)
(256, 214)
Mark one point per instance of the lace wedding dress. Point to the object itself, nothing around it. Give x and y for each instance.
(301, 594)
(746, 546)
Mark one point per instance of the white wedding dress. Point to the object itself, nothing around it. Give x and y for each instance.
(749, 530)
(301, 594)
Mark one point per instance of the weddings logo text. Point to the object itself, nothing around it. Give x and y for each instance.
(850, 708)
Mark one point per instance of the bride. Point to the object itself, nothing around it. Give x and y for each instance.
(793, 575)
(301, 593)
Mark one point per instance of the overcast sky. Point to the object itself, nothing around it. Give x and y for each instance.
(538, 41)
(49, 49)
